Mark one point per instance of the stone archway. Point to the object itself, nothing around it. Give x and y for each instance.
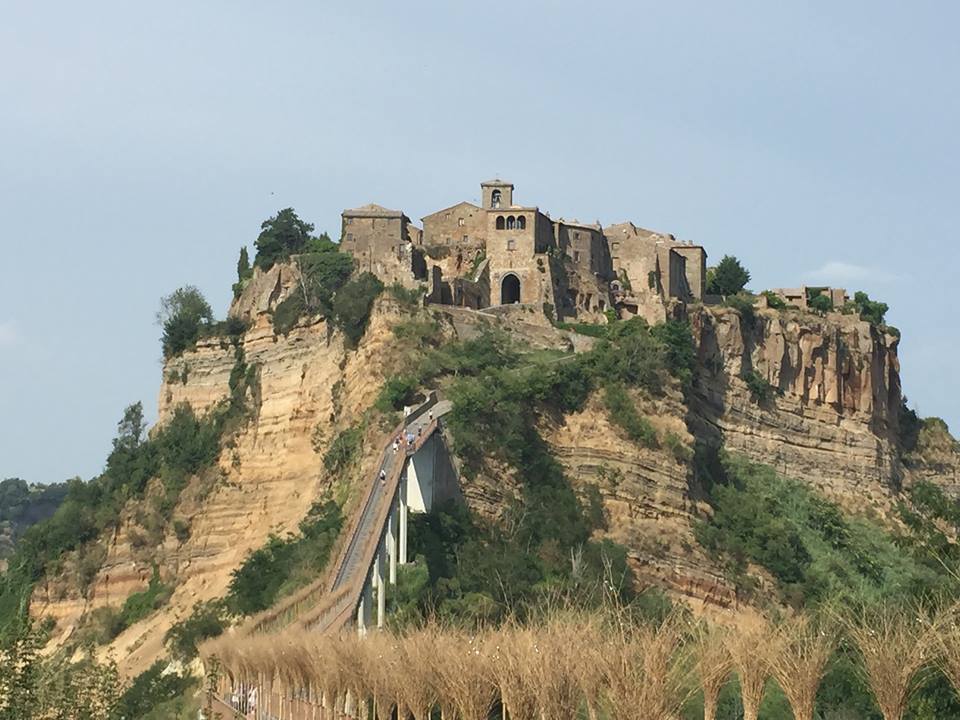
(509, 289)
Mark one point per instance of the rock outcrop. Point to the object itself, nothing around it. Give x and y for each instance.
(832, 423)
(832, 415)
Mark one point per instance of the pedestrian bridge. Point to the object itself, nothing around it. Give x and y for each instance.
(413, 477)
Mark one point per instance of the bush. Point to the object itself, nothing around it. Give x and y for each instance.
(774, 301)
(182, 315)
(287, 314)
(729, 277)
(352, 305)
(743, 304)
(410, 298)
(208, 620)
(681, 356)
(821, 304)
(344, 450)
(760, 388)
(141, 604)
(681, 453)
(152, 688)
(869, 310)
(397, 392)
(282, 565)
(624, 413)
(807, 543)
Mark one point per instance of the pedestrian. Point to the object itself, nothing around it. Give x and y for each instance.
(430, 414)
(419, 430)
(383, 475)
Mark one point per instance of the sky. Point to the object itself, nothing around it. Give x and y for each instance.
(142, 144)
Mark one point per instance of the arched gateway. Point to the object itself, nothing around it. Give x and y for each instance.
(509, 289)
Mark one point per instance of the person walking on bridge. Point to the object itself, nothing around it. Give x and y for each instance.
(383, 476)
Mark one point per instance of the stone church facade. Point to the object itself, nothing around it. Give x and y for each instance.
(504, 253)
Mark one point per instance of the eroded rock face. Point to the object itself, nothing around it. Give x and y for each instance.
(833, 426)
(646, 494)
(832, 418)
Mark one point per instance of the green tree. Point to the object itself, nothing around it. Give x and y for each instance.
(244, 270)
(182, 314)
(728, 278)
(352, 305)
(281, 236)
(821, 304)
(870, 310)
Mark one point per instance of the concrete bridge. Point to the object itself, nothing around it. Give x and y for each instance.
(413, 478)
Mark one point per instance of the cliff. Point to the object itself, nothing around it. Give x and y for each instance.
(831, 420)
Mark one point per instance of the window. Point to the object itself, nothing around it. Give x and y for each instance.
(349, 237)
(521, 222)
(576, 256)
(615, 246)
(500, 222)
(511, 223)
(576, 235)
(460, 222)
(495, 199)
(466, 238)
(347, 221)
(511, 244)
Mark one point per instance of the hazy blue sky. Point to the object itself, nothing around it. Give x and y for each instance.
(142, 146)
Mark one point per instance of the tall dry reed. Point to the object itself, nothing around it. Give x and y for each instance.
(712, 664)
(798, 655)
(895, 644)
(746, 646)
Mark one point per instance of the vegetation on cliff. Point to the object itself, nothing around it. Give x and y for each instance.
(23, 505)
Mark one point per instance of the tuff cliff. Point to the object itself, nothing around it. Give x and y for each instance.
(831, 416)
(833, 422)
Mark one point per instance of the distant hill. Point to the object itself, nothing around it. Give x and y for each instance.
(22, 505)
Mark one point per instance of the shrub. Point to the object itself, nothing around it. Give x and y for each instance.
(408, 297)
(681, 453)
(624, 413)
(869, 310)
(208, 620)
(344, 450)
(774, 301)
(397, 392)
(182, 315)
(597, 331)
(681, 356)
(140, 604)
(743, 304)
(284, 564)
(437, 252)
(352, 305)
(821, 304)
(760, 388)
(729, 277)
(287, 314)
(152, 688)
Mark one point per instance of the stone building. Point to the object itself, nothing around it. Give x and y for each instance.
(380, 241)
(501, 253)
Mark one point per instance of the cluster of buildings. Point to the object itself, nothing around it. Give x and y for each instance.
(502, 253)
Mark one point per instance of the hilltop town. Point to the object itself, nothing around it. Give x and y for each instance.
(502, 253)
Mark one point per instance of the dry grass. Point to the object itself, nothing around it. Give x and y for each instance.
(895, 644)
(712, 664)
(798, 656)
(746, 647)
(616, 666)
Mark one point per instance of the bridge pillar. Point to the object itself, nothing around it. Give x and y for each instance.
(403, 520)
(392, 543)
(381, 585)
(365, 609)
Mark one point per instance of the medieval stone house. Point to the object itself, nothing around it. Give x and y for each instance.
(502, 253)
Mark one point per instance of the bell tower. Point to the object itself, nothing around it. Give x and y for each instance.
(496, 194)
